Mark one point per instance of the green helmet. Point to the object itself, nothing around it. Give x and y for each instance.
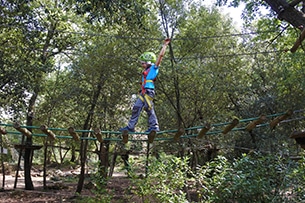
(148, 57)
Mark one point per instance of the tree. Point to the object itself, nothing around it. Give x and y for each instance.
(36, 30)
(292, 12)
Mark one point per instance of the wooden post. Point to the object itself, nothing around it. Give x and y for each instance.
(18, 165)
(147, 159)
(253, 124)
(278, 119)
(104, 158)
(48, 132)
(98, 134)
(115, 154)
(24, 131)
(204, 130)
(72, 132)
(51, 136)
(28, 154)
(45, 154)
(2, 131)
(231, 126)
(28, 157)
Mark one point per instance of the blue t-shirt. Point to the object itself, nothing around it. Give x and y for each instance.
(151, 73)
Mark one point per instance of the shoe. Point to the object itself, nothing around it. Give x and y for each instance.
(126, 128)
(152, 128)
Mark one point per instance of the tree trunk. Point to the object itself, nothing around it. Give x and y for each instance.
(73, 156)
(84, 143)
(104, 158)
(2, 162)
(28, 165)
(45, 163)
(287, 12)
(29, 151)
(83, 154)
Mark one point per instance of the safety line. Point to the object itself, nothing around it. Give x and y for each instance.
(147, 38)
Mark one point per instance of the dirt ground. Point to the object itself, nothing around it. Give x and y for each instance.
(57, 190)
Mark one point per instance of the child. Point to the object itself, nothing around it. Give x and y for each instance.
(150, 65)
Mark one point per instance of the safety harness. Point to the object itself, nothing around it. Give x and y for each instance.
(147, 99)
(144, 97)
(145, 73)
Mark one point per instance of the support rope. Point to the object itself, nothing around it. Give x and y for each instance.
(158, 133)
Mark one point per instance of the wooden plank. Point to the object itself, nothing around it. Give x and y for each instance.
(72, 132)
(48, 132)
(253, 124)
(24, 131)
(98, 135)
(297, 134)
(204, 130)
(230, 126)
(178, 134)
(278, 119)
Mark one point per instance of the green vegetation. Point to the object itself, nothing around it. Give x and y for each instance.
(75, 63)
(250, 178)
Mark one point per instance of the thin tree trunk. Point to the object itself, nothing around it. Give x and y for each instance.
(84, 143)
(28, 150)
(2, 162)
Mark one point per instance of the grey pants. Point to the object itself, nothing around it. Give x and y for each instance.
(148, 107)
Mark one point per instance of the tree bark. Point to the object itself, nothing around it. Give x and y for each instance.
(104, 158)
(287, 12)
(84, 143)
(28, 150)
(28, 165)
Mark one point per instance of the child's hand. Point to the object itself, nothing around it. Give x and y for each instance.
(167, 41)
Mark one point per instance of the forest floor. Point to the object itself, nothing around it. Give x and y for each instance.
(61, 186)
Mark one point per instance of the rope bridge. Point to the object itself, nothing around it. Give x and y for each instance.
(184, 133)
(192, 132)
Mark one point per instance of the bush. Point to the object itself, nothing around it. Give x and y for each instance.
(165, 182)
(252, 178)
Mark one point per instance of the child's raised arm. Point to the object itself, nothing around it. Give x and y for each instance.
(161, 54)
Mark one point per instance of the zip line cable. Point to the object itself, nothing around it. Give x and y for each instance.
(161, 39)
(147, 38)
(124, 58)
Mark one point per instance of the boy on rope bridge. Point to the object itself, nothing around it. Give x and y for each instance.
(150, 64)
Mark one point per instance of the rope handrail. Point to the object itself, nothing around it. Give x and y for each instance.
(145, 133)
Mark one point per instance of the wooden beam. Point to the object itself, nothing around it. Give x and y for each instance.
(278, 119)
(72, 132)
(98, 135)
(204, 130)
(253, 124)
(178, 134)
(231, 126)
(299, 137)
(297, 134)
(48, 132)
(24, 131)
